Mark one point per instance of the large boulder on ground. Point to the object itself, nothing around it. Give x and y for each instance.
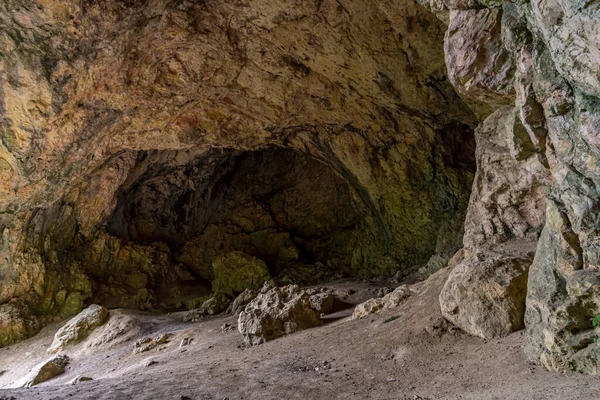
(485, 294)
(15, 324)
(44, 371)
(277, 312)
(79, 327)
(237, 271)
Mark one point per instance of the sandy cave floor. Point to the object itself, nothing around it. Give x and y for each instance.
(406, 357)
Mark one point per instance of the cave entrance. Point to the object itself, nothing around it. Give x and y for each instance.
(285, 208)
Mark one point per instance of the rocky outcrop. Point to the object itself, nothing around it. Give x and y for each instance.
(277, 312)
(555, 48)
(79, 327)
(485, 293)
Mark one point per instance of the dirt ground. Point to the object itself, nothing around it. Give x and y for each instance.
(405, 353)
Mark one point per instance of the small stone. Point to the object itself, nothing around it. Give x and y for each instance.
(78, 379)
(146, 344)
(151, 363)
(227, 328)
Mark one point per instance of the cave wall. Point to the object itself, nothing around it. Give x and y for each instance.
(541, 57)
(99, 98)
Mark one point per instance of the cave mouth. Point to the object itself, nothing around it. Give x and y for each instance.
(283, 207)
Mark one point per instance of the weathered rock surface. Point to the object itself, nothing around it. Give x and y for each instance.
(150, 343)
(44, 371)
(79, 327)
(136, 148)
(277, 312)
(485, 293)
(16, 324)
(555, 48)
(236, 271)
(478, 64)
(321, 300)
(141, 141)
(389, 301)
(120, 327)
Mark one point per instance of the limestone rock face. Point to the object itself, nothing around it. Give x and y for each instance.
(277, 312)
(79, 327)
(16, 324)
(143, 142)
(389, 301)
(485, 293)
(478, 64)
(554, 45)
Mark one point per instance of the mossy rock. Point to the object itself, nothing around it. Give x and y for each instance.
(237, 271)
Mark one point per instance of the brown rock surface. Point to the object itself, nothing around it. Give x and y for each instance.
(142, 141)
(485, 293)
(44, 371)
(275, 313)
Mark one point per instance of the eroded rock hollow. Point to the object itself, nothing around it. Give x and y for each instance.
(152, 149)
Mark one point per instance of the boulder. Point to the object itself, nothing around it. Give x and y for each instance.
(236, 271)
(275, 313)
(150, 343)
(79, 327)
(485, 294)
(367, 308)
(44, 371)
